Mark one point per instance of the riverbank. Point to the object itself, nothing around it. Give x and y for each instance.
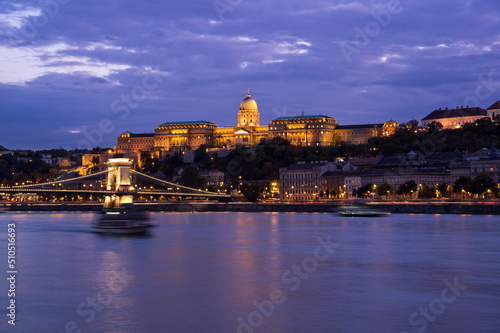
(472, 208)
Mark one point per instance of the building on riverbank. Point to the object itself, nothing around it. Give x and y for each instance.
(309, 181)
(302, 181)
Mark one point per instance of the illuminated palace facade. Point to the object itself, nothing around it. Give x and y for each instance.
(305, 130)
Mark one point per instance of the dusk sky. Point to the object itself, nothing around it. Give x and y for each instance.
(78, 73)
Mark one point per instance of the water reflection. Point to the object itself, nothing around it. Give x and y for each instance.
(201, 272)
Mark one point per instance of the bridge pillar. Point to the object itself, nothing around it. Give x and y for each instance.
(119, 182)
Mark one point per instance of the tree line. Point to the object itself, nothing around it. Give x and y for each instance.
(480, 186)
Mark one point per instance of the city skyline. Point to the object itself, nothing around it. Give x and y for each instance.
(72, 68)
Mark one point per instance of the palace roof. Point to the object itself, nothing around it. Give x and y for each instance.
(141, 135)
(348, 127)
(197, 122)
(303, 117)
(137, 135)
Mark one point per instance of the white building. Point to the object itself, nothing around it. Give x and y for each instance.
(493, 110)
(351, 182)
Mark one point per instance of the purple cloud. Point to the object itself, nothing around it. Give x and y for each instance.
(60, 80)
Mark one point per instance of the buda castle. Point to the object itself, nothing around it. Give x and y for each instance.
(304, 130)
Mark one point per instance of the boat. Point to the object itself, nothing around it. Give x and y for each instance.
(361, 212)
(122, 221)
(354, 213)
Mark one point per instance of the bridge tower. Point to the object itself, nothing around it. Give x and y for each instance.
(119, 182)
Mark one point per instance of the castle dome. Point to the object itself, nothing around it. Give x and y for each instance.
(248, 104)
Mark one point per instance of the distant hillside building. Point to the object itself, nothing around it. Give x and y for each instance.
(183, 135)
(313, 130)
(493, 110)
(357, 134)
(65, 164)
(454, 118)
(134, 143)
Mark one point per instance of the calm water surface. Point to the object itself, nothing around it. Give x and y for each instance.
(221, 272)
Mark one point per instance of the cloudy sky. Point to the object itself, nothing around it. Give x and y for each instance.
(77, 73)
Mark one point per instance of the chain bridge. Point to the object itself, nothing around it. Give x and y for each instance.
(118, 184)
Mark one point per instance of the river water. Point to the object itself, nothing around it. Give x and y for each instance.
(255, 272)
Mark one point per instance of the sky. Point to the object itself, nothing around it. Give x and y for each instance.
(75, 74)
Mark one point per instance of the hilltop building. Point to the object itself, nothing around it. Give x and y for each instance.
(304, 130)
(454, 118)
(493, 110)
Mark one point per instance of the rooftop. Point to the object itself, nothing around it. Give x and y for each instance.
(495, 106)
(303, 117)
(307, 165)
(455, 113)
(347, 127)
(136, 135)
(197, 122)
(338, 174)
(363, 160)
(408, 171)
(141, 135)
(442, 157)
(480, 153)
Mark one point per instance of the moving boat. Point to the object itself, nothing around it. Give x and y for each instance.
(119, 220)
(356, 211)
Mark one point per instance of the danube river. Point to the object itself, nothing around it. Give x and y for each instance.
(255, 272)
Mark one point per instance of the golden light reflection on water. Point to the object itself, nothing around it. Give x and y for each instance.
(200, 273)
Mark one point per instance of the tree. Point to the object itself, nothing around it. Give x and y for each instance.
(365, 191)
(407, 188)
(443, 189)
(481, 184)
(413, 123)
(146, 160)
(168, 164)
(335, 193)
(496, 119)
(251, 191)
(435, 125)
(201, 154)
(385, 189)
(462, 183)
(191, 177)
(270, 171)
(426, 192)
(483, 122)
(390, 149)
